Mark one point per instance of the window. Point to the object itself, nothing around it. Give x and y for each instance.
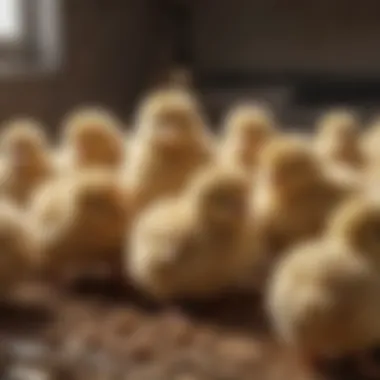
(29, 36)
(10, 21)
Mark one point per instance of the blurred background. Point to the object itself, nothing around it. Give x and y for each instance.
(300, 56)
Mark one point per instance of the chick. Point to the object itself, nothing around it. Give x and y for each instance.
(247, 130)
(83, 220)
(19, 246)
(171, 143)
(338, 139)
(324, 303)
(26, 160)
(370, 144)
(356, 224)
(92, 138)
(294, 196)
(348, 176)
(195, 245)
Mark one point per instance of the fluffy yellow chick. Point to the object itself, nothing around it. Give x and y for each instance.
(171, 143)
(83, 220)
(25, 159)
(324, 303)
(20, 249)
(338, 139)
(294, 195)
(356, 224)
(92, 138)
(370, 144)
(194, 246)
(247, 130)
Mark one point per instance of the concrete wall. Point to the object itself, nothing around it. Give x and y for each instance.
(115, 49)
(322, 36)
(240, 44)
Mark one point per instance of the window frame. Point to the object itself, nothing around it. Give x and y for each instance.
(29, 55)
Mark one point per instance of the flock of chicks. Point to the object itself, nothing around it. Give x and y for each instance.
(182, 213)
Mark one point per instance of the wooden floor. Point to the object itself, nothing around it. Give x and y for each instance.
(108, 332)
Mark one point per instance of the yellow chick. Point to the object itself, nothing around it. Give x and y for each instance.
(324, 304)
(356, 224)
(338, 139)
(370, 144)
(171, 143)
(92, 138)
(294, 196)
(20, 248)
(25, 159)
(194, 246)
(83, 220)
(247, 130)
